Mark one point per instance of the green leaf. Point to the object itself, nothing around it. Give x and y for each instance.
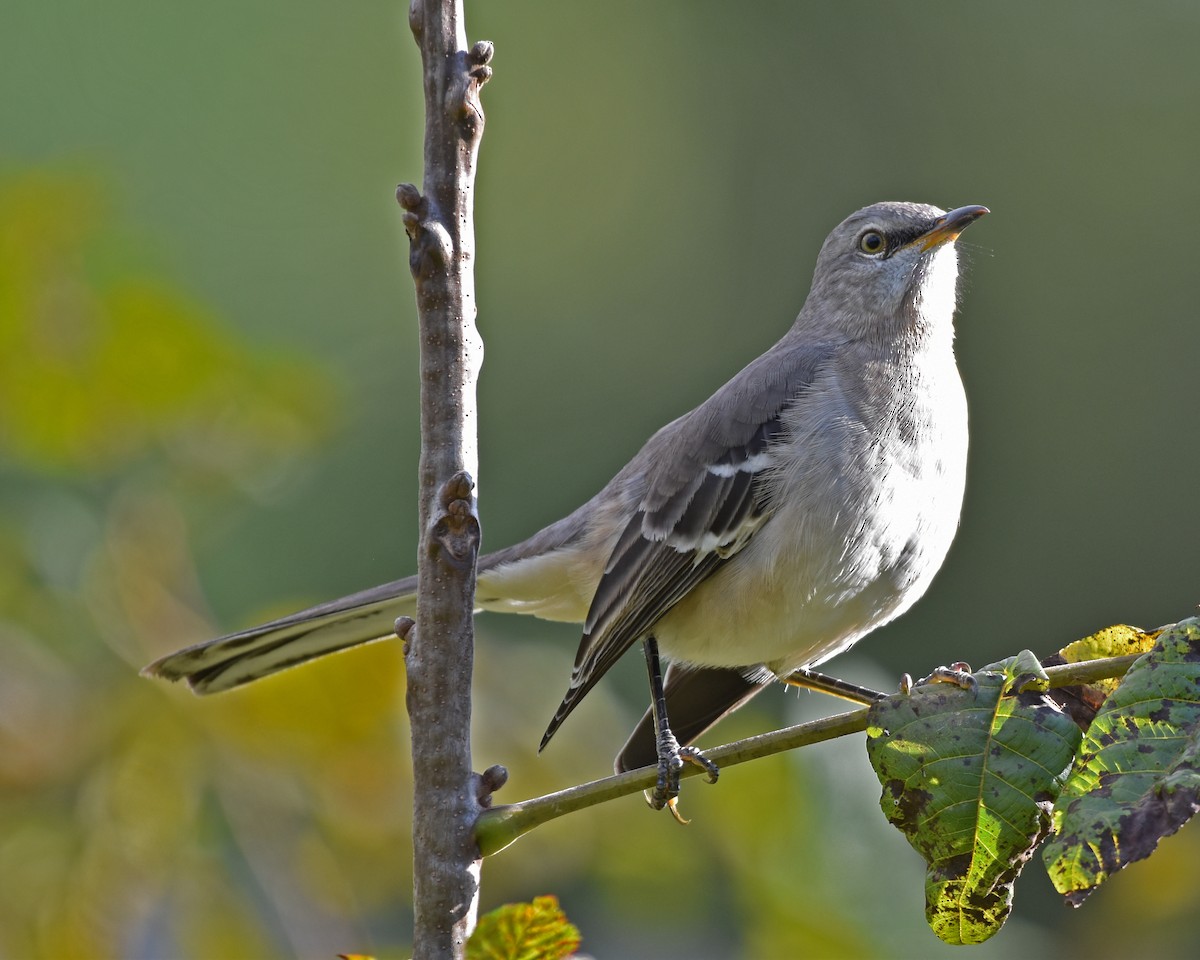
(970, 776)
(1083, 700)
(1137, 776)
(1120, 640)
(1117, 641)
(524, 931)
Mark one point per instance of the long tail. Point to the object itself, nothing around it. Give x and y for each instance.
(697, 697)
(534, 577)
(238, 658)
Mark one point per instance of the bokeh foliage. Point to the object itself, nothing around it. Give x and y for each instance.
(207, 416)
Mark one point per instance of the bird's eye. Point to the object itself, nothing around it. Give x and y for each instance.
(872, 242)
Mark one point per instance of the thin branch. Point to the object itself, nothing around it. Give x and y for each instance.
(440, 651)
(501, 825)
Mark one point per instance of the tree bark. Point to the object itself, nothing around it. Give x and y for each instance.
(439, 652)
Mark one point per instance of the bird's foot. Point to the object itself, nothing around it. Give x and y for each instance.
(671, 758)
(958, 674)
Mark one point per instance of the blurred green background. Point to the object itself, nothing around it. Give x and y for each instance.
(208, 416)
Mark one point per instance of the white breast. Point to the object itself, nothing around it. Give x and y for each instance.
(870, 488)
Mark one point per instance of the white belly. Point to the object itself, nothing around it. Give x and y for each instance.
(850, 545)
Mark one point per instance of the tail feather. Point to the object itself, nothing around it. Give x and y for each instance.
(534, 577)
(238, 658)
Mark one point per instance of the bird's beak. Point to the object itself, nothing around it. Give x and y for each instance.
(948, 227)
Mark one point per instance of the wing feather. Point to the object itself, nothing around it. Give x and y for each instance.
(706, 478)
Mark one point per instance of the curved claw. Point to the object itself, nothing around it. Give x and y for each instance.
(666, 790)
(673, 806)
(694, 756)
(958, 674)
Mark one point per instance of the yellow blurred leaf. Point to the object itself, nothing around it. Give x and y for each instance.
(99, 364)
(524, 931)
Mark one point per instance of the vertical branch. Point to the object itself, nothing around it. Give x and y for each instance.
(440, 651)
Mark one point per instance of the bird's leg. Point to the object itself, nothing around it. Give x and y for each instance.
(671, 756)
(811, 680)
(957, 674)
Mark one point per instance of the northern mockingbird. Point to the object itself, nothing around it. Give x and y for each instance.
(810, 500)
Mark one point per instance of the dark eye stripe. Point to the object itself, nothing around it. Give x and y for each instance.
(907, 236)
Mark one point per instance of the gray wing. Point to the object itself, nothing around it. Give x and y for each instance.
(707, 495)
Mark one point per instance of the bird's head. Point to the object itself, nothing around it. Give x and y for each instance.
(889, 263)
